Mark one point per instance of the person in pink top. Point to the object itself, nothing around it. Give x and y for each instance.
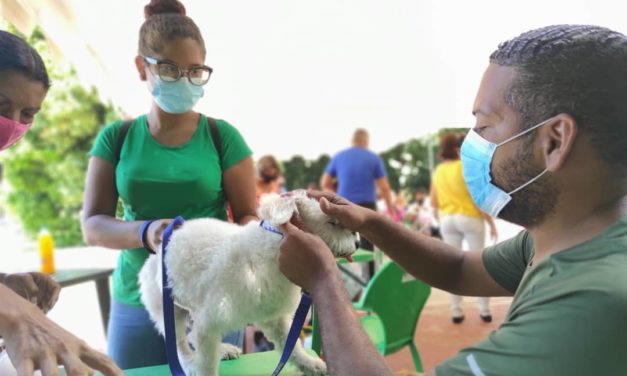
(32, 340)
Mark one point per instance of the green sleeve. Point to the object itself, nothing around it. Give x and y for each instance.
(507, 261)
(234, 148)
(577, 331)
(105, 146)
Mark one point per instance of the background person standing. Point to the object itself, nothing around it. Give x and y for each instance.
(460, 219)
(359, 172)
(268, 178)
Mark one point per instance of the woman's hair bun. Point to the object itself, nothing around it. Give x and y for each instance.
(163, 6)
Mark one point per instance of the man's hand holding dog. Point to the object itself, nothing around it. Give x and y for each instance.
(304, 258)
(349, 215)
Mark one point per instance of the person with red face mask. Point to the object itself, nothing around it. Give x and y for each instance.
(32, 340)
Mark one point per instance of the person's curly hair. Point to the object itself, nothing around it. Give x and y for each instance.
(580, 70)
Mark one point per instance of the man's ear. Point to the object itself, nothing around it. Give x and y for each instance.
(141, 68)
(558, 141)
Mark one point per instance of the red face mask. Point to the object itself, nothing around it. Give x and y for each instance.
(11, 131)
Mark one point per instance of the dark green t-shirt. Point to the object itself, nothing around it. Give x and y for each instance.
(157, 181)
(568, 315)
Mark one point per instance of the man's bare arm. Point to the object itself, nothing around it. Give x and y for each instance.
(428, 259)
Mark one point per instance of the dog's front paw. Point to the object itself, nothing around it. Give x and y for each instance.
(229, 351)
(313, 367)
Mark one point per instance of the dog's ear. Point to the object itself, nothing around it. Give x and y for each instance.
(277, 209)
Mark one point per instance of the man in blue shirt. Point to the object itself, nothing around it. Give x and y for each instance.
(358, 173)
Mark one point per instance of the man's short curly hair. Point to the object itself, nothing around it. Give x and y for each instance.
(580, 70)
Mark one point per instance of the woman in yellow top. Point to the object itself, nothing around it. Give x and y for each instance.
(459, 217)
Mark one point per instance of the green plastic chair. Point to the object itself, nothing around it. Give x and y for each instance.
(394, 301)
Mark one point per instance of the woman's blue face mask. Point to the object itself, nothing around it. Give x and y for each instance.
(176, 97)
(476, 156)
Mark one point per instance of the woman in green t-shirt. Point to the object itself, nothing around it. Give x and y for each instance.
(163, 164)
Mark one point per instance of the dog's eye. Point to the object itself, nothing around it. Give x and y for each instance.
(332, 223)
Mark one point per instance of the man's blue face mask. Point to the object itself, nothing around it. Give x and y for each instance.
(476, 156)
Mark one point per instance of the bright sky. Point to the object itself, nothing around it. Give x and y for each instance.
(297, 77)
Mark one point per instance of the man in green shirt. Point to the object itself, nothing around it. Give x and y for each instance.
(548, 152)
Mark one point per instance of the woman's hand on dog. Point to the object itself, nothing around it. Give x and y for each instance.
(303, 257)
(38, 288)
(154, 233)
(349, 215)
(35, 342)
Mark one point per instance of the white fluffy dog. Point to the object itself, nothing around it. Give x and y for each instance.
(225, 276)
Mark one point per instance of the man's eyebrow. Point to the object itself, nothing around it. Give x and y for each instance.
(481, 111)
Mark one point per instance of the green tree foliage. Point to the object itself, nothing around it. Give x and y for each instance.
(407, 165)
(46, 170)
(294, 171)
(315, 170)
(300, 173)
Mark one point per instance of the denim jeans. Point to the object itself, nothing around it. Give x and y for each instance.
(134, 342)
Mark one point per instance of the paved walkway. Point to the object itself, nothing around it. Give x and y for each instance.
(437, 338)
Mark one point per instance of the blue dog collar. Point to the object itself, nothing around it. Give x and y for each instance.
(268, 227)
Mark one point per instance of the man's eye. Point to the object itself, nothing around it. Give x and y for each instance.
(480, 129)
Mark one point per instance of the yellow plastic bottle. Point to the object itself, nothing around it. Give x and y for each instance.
(46, 251)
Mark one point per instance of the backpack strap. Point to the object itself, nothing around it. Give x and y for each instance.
(215, 136)
(123, 131)
(118, 148)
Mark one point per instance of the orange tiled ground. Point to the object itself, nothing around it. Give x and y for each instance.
(438, 338)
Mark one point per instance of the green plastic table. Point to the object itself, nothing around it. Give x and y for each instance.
(256, 364)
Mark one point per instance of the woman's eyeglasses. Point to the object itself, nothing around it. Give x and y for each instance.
(169, 72)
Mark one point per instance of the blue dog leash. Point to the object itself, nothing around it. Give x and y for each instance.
(299, 316)
(294, 333)
(168, 305)
(168, 310)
